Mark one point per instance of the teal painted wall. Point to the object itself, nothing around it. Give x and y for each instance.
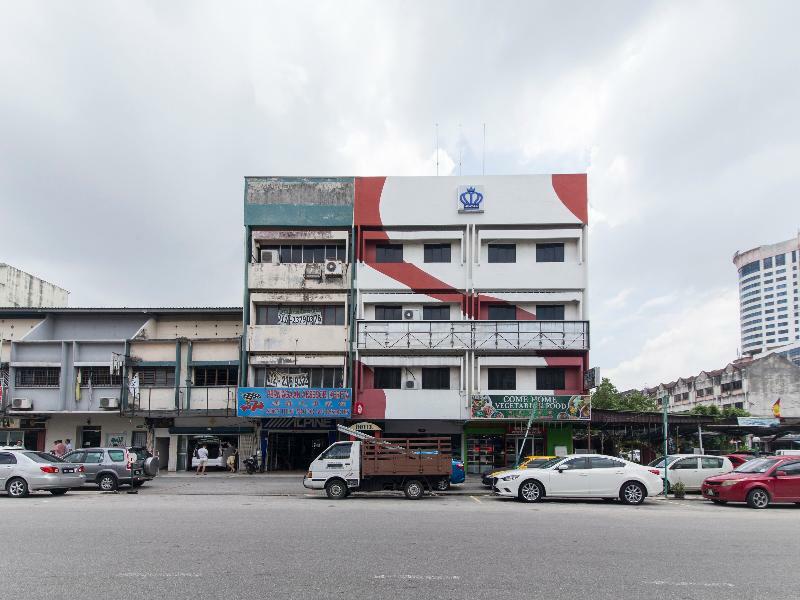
(293, 215)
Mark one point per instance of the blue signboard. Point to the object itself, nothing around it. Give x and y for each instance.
(758, 422)
(329, 403)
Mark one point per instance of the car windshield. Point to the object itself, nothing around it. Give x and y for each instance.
(659, 462)
(757, 465)
(42, 457)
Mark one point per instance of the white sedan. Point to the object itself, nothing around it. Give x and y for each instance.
(692, 469)
(582, 476)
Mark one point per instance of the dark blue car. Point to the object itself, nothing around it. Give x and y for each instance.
(457, 475)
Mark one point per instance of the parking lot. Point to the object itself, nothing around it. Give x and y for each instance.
(257, 537)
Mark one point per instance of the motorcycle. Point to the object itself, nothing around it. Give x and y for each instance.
(251, 464)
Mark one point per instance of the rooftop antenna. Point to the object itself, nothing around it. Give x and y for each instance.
(459, 149)
(483, 155)
(437, 149)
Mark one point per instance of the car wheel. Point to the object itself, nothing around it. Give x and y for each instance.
(107, 483)
(442, 485)
(336, 489)
(758, 498)
(59, 491)
(17, 488)
(531, 491)
(413, 489)
(632, 493)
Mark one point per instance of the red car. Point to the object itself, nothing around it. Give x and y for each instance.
(759, 482)
(738, 459)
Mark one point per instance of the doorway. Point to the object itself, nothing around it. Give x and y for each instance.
(294, 451)
(90, 436)
(162, 450)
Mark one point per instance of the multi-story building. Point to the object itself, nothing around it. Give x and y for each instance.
(460, 297)
(769, 296)
(753, 385)
(18, 288)
(68, 375)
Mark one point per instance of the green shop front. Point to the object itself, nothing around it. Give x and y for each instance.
(505, 426)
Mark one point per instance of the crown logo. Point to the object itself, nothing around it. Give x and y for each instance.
(471, 199)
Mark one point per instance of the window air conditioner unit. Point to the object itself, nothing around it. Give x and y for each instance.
(269, 256)
(411, 384)
(21, 404)
(109, 403)
(334, 268)
(412, 314)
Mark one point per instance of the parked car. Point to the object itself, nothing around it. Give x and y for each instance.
(214, 447)
(759, 482)
(24, 471)
(110, 468)
(691, 469)
(581, 476)
(457, 475)
(529, 462)
(737, 460)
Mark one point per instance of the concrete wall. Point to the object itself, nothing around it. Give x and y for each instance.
(300, 338)
(771, 378)
(18, 288)
(292, 276)
(69, 426)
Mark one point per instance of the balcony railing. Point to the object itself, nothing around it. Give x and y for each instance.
(473, 335)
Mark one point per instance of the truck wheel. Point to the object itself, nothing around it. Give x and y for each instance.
(413, 489)
(442, 485)
(336, 489)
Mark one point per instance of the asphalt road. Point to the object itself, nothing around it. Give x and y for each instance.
(223, 538)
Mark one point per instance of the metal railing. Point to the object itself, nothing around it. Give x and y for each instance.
(155, 401)
(473, 335)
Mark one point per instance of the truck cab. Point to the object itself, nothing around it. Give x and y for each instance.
(339, 461)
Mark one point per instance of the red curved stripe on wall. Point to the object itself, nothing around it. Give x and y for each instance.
(367, 208)
(372, 401)
(573, 193)
(573, 372)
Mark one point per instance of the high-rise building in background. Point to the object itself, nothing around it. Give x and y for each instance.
(435, 305)
(18, 288)
(769, 310)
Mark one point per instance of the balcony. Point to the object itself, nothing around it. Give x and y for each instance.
(486, 336)
(294, 276)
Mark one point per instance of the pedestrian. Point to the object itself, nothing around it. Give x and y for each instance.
(19, 444)
(202, 457)
(230, 457)
(69, 445)
(61, 448)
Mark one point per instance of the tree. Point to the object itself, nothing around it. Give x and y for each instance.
(607, 397)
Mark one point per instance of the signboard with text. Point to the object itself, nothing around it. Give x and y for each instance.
(297, 315)
(520, 406)
(330, 403)
(281, 378)
(758, 422)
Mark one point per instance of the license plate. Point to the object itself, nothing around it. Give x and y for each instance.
(709, 492)
(68, 470)
(137, 472)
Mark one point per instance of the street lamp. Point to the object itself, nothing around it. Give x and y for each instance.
(664, 405)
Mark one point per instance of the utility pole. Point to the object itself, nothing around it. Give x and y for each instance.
(664, 405)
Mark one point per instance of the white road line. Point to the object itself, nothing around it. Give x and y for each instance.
(476, 500)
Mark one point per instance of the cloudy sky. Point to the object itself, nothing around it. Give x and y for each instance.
(126, 129)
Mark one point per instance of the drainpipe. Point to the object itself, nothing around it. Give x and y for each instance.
(189, 376)
(243, 366)
(177, 374)
(353, 310)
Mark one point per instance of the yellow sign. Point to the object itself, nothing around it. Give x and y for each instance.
(365, 426)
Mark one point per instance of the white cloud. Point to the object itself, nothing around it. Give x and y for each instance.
(703, 335)
(620, 300)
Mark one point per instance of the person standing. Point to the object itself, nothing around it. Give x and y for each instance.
(202, 458)
(69, 446)
(230, 458)
(60, 449)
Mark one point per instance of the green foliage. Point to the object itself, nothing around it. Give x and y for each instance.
(728, 412)
(678, 489)
(607, 397)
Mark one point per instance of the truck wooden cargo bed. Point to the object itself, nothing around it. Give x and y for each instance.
(401, 456)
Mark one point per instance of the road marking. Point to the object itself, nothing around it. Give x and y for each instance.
(419, 577)
(146, 574)
(691, 583)
(476, 500)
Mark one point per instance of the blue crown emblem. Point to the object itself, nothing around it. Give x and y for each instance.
(471, 199)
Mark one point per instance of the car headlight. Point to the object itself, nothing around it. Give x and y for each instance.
(730, 482)
(509, 477)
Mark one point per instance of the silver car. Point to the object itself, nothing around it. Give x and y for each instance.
(24, 471)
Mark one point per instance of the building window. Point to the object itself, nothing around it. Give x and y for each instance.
(436, 313)
(215, 376)
(37, 377)
(436, 378)
(300, 314)
(551, 378)
(99, 377)
(437, 253)
(780, 260)
(502, 253)
(388, 313)
(389, 253)
(155, 376)
(306, 253)
(299, 377)
(549, 252)
(502, 379)
(502, 312)
(386, 378)
(550, 312)
(768, 263)
(750, 268)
